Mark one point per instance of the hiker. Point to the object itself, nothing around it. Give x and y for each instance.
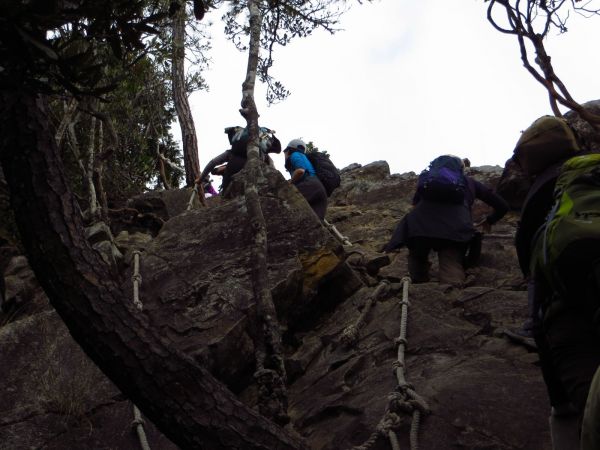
(231, 161)
(304, 177)
(231, 164)
(558, 246)
(441, 220)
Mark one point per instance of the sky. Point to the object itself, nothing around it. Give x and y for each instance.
(403, 82)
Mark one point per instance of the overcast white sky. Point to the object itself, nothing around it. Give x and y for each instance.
(404, 82)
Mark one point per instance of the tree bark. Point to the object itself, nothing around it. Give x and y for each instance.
(180, 98)
(186, 403)
(270, 374)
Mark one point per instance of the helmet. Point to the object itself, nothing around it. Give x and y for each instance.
(297, 144)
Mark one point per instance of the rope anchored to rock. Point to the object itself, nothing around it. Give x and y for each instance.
(136, 278)
(351, 333)
(343, 239)
(197, 192)
(403, 400)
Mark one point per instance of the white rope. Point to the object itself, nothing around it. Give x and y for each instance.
(403, 398)
(417, 402)
(336, 233)
(351, 333)
(138, 423)
(194, 194)
(136, 278)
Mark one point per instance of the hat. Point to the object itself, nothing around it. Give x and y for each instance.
(296, 144)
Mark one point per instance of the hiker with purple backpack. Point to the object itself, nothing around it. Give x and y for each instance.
(441, 220)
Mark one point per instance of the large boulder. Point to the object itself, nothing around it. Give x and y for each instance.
(197, 276)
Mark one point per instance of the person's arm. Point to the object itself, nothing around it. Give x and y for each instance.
(217, 160)
(297, 175)
(494, 200)
(297, 171)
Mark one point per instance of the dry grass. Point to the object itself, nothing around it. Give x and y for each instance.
(69, 379)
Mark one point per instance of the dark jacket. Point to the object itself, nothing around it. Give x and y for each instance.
(449, 221)
(235, 163)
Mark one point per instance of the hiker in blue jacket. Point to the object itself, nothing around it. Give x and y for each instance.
(443, 223)
(304, 177)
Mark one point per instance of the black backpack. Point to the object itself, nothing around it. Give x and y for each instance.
(238, 138)
(326, 171)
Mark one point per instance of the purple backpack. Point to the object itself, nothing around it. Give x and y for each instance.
(443, 181)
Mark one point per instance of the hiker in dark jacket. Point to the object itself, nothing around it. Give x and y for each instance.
(568, 341)
(233, 164)
(562, 325)
(304, 177)
(445, 227)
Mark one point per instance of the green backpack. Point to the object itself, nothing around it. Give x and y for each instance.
(567, 246)
(546, 141)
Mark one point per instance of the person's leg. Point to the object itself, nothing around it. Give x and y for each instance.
(316, 196)
(451, 261)
(418, 259)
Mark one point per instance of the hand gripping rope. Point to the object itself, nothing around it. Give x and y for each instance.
(403, 399)
(138, 421)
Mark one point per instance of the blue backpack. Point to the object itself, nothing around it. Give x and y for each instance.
(444, 180)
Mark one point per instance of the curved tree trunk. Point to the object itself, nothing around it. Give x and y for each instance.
(186, 403)
(182, 106)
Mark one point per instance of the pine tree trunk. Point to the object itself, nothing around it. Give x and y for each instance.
(182, 106)
(186, 403)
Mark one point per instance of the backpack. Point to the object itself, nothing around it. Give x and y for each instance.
(547, 141)
(326, 171)
(566, 248)
(444, 180)
(238, 138)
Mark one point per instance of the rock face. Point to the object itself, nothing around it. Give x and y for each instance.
(483, 391)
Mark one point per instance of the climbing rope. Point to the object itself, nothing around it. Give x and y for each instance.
(403, 399)
(351, 333)
(138, 424)
(136, 278)
(343, 239)
(198, 192)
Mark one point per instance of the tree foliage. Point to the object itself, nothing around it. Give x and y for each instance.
(282, 21)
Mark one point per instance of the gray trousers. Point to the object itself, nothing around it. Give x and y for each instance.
(451, 256)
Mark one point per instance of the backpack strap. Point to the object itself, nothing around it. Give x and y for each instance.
(537, 205)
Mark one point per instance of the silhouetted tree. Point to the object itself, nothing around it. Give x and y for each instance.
(531, 21)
